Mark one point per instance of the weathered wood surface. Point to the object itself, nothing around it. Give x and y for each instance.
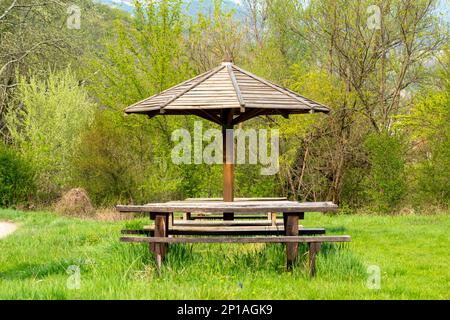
(230, 231)
(219, 216)
(225, 232)
(160, 230)
(314, 248)
(226, 87)
(291, 229)
(219, 228)
(235, 199)
(280, 239)
(227, 223)
(236, 207)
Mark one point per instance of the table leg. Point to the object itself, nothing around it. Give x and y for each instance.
(186, 216)
(273, 218)
(161, 228)
(170, 219)
(291, 229)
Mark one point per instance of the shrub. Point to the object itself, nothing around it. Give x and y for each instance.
(16, 178)
(434, 173)
(386, 183)
(124, 159)
(48, 126)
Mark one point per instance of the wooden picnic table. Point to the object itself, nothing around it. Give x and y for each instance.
(292, 212)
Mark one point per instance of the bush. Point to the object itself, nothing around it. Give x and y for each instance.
(386, 182)
(428, 124)
(48, 126)
(434, 173)
(16, 178)
(124, 159)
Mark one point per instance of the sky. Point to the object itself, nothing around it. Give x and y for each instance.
(443, 6)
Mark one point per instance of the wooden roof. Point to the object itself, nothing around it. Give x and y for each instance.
(229, 88)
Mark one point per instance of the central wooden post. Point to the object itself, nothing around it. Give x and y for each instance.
(228, 163)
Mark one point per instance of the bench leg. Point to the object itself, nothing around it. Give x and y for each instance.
(186, 216)
(314, 248)
(272, 216)
(291, 229)
(161, 228)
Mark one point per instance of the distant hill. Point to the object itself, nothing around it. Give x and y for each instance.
(192, 7)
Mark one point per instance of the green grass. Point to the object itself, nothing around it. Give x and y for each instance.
(412, 252)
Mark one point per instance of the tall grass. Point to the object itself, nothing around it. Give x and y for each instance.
(412, 252)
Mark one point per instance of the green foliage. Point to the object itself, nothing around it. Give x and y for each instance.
(143, 56)
(369, 79)
(429, 122)
(386, 183)
(35, 37)
(119, 160)
(16, 178)
(48, 126)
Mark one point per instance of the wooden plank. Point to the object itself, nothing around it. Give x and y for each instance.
(236, 87)
(223, 228)
(278, 88)
(205, 115)
(150, 232)
(235, 199)
(249, 207)
(217, 216)
(279, 239)
(250, 113)
(226, 223)
(193, 85)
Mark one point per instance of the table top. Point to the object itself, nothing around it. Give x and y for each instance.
(214, 206)
(235, 199)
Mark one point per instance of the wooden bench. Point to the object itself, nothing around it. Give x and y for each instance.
(226, 223)
(314, 244)
(224, 231)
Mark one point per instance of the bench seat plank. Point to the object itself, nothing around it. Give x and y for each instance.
(279, 239)
(226, 223)
(227, 232)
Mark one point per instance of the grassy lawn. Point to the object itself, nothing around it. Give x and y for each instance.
(411, 251)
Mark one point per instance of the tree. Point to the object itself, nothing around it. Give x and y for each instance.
(36, 35)
(48, 126)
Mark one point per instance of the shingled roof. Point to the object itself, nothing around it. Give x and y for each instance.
(226, 87)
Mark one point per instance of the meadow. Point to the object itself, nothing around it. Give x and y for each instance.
(42, 258)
